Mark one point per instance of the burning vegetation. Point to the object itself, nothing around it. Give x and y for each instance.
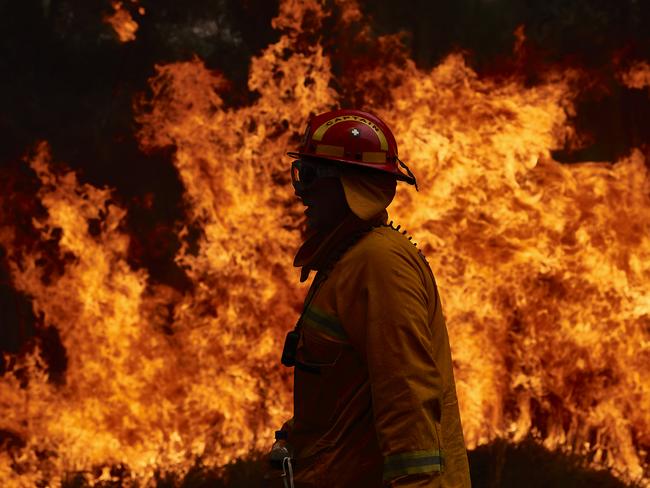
(148, 287)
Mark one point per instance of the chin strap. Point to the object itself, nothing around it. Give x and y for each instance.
(403, 165)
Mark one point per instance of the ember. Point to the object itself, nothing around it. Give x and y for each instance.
(122, 21)
(544, 268)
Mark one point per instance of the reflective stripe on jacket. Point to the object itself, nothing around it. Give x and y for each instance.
(374, 396)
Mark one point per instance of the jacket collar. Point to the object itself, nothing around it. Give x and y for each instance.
(320, 248)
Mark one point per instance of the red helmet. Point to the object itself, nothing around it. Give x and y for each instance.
(353, 137)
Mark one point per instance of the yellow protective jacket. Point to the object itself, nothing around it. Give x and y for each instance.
(374, 395)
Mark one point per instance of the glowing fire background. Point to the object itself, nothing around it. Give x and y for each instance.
(147, 225)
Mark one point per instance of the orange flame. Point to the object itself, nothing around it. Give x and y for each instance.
(544, 267)
(637, 76)
(543, 270)
(122, 22)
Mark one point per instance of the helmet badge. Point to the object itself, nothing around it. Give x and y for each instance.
(355, 132)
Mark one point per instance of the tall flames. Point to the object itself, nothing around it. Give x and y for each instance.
(544, 271)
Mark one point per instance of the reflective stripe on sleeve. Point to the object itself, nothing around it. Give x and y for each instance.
(324, 322)
(412, 463)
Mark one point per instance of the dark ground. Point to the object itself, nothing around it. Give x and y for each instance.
(498, 465)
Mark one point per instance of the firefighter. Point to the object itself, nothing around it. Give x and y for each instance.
(374, 395)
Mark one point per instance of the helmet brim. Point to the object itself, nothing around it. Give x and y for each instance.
(396, 173)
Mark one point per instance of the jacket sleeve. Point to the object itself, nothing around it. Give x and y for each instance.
(384, 306)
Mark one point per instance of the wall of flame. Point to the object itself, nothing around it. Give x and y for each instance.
(544, 271)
